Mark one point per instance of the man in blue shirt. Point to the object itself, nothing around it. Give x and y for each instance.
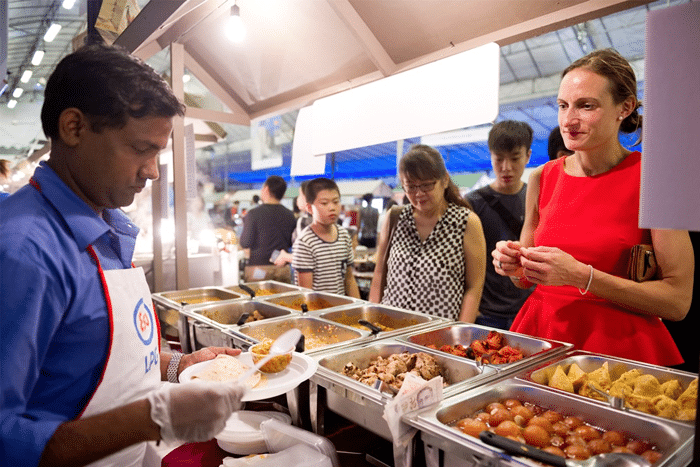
(79, 342)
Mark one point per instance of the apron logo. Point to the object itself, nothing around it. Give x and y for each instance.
(143, 321)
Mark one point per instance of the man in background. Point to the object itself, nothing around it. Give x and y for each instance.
(369, 217)
(501, 208)
(267, 230)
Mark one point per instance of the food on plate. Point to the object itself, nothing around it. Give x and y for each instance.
(490, 350)
(579, 440)
(393, 369)
(276, 363)
(227, 368)
(642, 392)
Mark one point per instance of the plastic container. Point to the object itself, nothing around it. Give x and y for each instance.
(299, 455)
(280, 437)
(243, 435)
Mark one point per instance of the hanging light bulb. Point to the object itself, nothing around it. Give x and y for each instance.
(235, 29)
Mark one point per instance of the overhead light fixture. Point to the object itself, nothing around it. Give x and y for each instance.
(26, 76)
(68, 4)
(11, 104)
(17, 92)
(52, 32)
(186, 78)
(38, 57)
(235, 29)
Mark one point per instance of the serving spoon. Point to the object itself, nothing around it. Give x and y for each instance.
(284, 343)
(617, 459)
(614, 401)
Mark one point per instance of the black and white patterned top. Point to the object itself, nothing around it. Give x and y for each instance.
(428, 277)
(328, 261)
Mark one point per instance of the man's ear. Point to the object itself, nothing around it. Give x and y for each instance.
(529, 153)
(71, 124)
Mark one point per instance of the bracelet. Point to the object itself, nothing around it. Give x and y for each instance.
(590, 279)
(173, 366)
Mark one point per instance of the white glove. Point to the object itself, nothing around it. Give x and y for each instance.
(194, 411)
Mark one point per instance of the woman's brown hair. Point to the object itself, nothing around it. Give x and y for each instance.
(623, 82)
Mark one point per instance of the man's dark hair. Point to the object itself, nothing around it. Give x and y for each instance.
(277, 186)
(368, 197)
(510, 135)
(109, 86)
(555, 143)
(315, 186)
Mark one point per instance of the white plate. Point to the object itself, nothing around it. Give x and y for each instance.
(301, 368)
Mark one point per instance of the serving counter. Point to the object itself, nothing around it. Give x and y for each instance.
(344, 335)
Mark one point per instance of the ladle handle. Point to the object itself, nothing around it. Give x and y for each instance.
(515, 447)
(375, 329)
(250, 291)
(242, 319)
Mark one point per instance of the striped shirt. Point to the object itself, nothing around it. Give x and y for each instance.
(328, 261)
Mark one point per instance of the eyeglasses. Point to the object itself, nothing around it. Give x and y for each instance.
(424, 187)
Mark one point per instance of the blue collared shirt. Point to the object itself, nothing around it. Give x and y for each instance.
(54, 323)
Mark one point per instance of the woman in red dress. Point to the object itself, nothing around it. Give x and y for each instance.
(581, 222)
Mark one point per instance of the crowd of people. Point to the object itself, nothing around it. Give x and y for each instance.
(547, 258)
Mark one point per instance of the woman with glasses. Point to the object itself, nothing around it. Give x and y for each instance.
(436, 252)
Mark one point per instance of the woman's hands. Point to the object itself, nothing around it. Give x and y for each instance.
(539, 265)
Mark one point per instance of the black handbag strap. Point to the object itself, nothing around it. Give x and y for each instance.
(515, 225)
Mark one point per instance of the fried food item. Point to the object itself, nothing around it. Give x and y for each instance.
(601, 377)
(392, 369)
(559, 380)
(577, 376)
(641, 403)
(666, 407)
(647, 386)
(672, 388)
(620, 389)
(629, 376)
(588, 392)
(686, 415)
(688, 400)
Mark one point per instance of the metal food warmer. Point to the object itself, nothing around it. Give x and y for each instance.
(616, 367)
(363, 404)
(263, 288)
(169, 306)
(312, 301)
(446, 446)
(384, 321)
(534, 349)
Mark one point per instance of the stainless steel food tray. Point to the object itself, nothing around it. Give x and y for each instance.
(402, 321)
(363, 404)
(534, 349)
(265, 288)
(169, 305)
(313, 328)
(318, 300)
(588, 362)
(674, 439)
(208, 323)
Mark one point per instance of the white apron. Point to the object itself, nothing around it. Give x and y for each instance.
(133, 360)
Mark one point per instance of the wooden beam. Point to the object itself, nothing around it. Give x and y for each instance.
(210, 81)
(148, 25)
(377, 54)
(216, 116)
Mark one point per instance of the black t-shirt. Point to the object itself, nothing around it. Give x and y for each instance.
(501, 298)
(267, 228)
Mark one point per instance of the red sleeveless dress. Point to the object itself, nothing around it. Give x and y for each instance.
(595, 219)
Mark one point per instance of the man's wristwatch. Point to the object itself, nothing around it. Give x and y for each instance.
(173, 366)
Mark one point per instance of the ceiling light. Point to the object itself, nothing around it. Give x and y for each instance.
(11, 104)
(52, 32)
(38, 57)
(235, 29)
(68, 4)
(26, 76)
(186, 78)
(17, 92)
